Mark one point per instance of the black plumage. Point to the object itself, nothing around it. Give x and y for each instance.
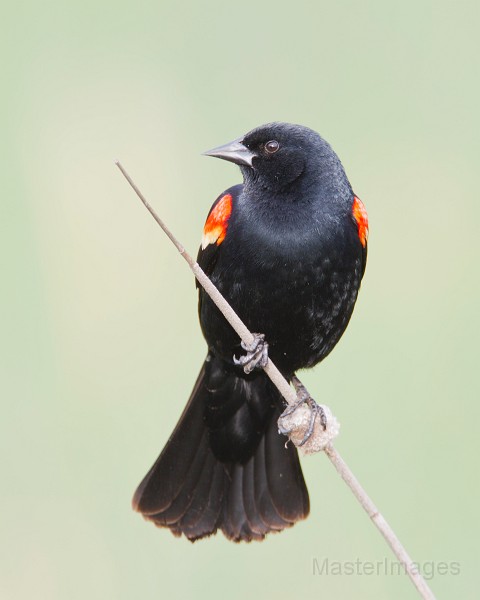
(288, 251)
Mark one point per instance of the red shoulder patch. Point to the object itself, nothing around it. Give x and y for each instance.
(360, 215)
(215, 228)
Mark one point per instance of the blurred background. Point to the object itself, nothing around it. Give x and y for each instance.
(100, 344)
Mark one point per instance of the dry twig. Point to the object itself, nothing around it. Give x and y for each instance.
(291, 398)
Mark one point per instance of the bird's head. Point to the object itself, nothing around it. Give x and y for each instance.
(277, 154)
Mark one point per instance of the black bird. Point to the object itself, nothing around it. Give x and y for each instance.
(287, 248)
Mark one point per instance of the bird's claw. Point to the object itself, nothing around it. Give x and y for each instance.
(256, 356)
(315, 410)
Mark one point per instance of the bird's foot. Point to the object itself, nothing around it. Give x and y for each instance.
(303, 397)
(256, 356)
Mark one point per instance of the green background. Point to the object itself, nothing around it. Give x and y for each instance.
(100, 344)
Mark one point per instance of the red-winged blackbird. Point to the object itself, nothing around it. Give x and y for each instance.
(287, 248)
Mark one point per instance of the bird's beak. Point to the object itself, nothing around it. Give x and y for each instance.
(234, 152)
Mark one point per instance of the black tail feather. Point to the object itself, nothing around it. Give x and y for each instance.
(263, 493)
(257, 525)
(166, 478)
(287, 496)
(192, 490)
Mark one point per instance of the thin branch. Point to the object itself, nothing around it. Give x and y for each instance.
(380, 523)
(290, 396)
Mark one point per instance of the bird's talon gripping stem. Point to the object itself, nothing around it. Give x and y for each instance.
(315, 410)
(256, 356)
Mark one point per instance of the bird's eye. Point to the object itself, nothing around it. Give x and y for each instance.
(272, 146)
